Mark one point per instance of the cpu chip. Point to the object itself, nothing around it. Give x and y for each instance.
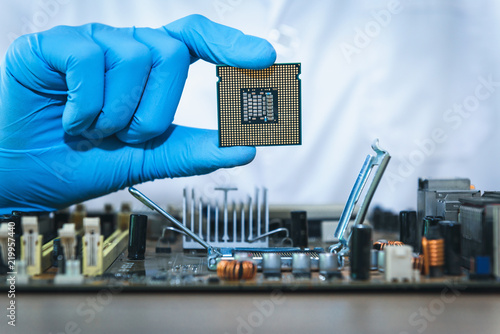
(259, 107)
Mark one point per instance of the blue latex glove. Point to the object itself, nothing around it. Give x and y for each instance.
(85, 111)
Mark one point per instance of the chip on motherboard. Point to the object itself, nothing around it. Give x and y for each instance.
(259, 107)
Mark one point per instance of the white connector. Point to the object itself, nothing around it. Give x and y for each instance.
(73, 274)
(67, 235)
(398, 267)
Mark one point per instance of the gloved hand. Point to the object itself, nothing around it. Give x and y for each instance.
(85, 111)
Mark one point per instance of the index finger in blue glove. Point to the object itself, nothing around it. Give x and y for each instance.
(128, 63)
(75, 54)
(163, 90)
(220, 44)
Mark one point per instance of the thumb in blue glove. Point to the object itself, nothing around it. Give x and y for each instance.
(88, 110)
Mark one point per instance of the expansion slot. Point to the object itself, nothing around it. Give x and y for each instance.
(37, 256)
(99, 254)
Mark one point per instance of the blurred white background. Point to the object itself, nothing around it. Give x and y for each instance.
(422, 76)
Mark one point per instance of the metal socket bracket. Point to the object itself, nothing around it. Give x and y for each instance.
(381, 159)
(213, 253)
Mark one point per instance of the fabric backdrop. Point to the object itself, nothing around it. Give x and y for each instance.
(422, 76)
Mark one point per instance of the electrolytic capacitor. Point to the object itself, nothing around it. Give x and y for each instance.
(61, 264)
(374, 259)
(271, 265)
(61, 217)
(108, 220)
(430, 221)
(301, 265)
(408, 229)
(298, 229)
(361, 245)
(57, 250)
(381, 261)
(329, 265)
(137, 236)
(451, 233)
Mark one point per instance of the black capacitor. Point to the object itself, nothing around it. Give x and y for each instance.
(408, 230)
(428, 222)
(3, 266)
(434, 232)
(108, 220)
(61, 264)
(384, 220)
(61, 217)
(57, 249)
(137, 236)
(361, 245)
(451, 233)
(298, 229)
(79, 247)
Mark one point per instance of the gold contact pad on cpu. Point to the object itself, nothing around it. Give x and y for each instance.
(259, 107)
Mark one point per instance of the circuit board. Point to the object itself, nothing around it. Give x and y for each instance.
(259, 107)
(452, 238)
(188, 272)
(172, 268)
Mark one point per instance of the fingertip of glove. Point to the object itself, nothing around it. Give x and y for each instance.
(268, 55)
(221, 44)
(256, 53)
(239, 155)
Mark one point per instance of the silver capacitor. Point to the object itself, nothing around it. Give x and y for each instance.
(381, 261)
(301, 265)
(271, 265)
(374, 259)
(329, 266)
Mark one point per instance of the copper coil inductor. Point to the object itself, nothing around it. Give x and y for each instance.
(418, 263)
(433, 250)
(380, 245)
(236, 270)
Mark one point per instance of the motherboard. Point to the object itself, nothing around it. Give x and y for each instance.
(219, 244)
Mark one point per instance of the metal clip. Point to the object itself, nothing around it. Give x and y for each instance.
(265, 235)
(381, 159)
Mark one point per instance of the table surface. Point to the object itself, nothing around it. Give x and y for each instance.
(106, 311)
